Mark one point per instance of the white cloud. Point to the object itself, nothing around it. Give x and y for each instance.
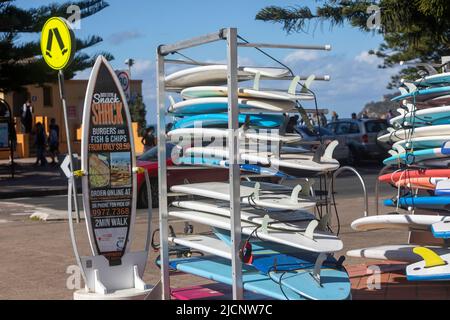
(365, 57)
(301, 55)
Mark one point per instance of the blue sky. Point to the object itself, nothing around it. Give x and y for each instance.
(134, 29)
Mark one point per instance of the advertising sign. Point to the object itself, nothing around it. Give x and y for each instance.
(4, 134)
(109, 189)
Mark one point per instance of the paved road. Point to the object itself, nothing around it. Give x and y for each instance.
(36, 254)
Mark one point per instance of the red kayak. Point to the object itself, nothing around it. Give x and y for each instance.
(410, 174)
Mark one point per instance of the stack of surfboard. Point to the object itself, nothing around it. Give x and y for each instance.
(288, 253)
(420, 156)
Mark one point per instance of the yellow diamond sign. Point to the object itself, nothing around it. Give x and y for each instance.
(57, 43)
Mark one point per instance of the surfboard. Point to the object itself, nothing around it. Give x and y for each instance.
(435, 79)
(429, 95)
(402, 252)
(220, 120)
(415, 156)
(441, 229)
(440, 163)
(280, 219)
(420, 202)
(423, 142)
(411, 222)
(309, 240)
(212, 162)
(222, 91)
(258, 194)
(219, 104)
(404, 134)
(442, 187)
(251, 134)
(297, 270)
(433, 116)
(217, 75)
(300, 165)
(434, 267)
(107, 159)
(412, 174)
(421, 183)
(219, 269)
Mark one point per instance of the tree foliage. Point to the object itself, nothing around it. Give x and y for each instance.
(21, 62)
(413, 30)
(138, 113)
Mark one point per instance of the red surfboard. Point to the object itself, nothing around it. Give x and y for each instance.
(409, 174)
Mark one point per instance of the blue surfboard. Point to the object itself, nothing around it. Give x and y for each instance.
(421, 202)
(414, 157)
(220, 120)
(219, 269)
(424, 94)
(293, 269)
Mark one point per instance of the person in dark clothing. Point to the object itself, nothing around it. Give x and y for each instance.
(27, 116)
(41, 142)
(354, 116)
(292, 123)
(53, 140)
(149, 140)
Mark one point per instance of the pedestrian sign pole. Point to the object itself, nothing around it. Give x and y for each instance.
(58, 47)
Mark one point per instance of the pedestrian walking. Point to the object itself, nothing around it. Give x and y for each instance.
(53, 140)
(27, 116)
(41, 142)
(323, 119)
(149, 140)
(334, 117)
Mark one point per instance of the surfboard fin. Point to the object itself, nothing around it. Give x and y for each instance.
(411, 87)
(393, 153)
(403, 91)
(328, 153)
(309, 232)
(256, 81)
(431, 258)
(318, 266)
(171, 100)
(256, 190)
(305, 118)
(264, 224)
(293, 85)
(306, 185)
(307, 84)
(399, 148)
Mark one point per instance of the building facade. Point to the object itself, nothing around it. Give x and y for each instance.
(46, 104)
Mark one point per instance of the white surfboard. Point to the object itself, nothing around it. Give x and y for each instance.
(222, 91)
(217, 75)
(257, 135)
(289, 163)
(428, 131)
(275, 218)
(412, 222)
(421, 117)
(220, 104)
(433, 267)
(316, 241)
(252, 193)
(402, 252)
(205, 244)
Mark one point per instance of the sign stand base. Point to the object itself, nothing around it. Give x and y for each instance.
(105, 282)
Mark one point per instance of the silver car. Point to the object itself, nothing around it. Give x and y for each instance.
(360, 135)
(341, 151)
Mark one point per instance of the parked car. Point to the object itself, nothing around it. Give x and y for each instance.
(341, 151)
(180, 175)
(360, 135)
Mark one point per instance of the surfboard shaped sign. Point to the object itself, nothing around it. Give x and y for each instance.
(108, 159)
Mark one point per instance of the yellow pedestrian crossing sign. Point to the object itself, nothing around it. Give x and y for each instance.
(57, 43)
